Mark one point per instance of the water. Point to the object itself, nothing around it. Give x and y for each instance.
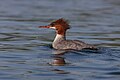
(25, 52)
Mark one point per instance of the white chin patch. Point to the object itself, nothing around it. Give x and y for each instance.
(52, 27)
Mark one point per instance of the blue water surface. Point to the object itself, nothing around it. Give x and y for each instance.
(25, 49)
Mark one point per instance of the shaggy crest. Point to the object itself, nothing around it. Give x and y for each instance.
(64, 23)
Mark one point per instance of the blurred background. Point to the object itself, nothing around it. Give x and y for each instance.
(24, 48)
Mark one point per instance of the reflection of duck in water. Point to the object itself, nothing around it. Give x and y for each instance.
(60, 41)
(60, 71)
(58, 59)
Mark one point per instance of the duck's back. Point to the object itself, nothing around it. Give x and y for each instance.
(73, 44)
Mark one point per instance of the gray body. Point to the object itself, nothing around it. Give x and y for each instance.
(61, 43)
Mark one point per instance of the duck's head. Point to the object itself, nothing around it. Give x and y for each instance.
(60, 25)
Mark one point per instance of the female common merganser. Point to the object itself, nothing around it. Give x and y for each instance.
(60, 42)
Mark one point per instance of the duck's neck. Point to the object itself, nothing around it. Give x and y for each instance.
(59, 37)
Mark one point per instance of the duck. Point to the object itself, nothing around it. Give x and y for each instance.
(60, 42)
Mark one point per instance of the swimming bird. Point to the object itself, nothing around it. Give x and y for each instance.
(60, 42)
